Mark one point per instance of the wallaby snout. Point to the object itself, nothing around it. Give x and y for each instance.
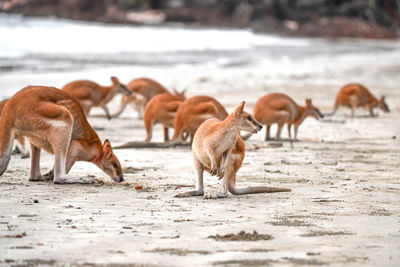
(319, 114)
(125, 90)
(118, 179)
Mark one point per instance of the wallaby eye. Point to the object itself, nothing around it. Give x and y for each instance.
(115, 165)
(249, 118)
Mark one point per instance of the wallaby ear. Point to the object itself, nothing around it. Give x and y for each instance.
(107, 150)
(382, 98)
(115, 80)
(183, 92)
(239, 109)
(308, 102)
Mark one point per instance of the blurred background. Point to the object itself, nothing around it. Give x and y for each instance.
(325, 41)
(322, 18)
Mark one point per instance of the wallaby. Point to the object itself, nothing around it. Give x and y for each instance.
(90, 94)
(192, 113)
(52, 120)
(144, 90)
(162, 109)
(20, 147)
(355, 95)
(218, 148)
(280, 108)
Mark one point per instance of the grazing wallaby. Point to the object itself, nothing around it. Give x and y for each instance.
(162, 109)
(281, 109)
(144, 90)
(193, 112)
(20, 148)
(356, 95)
(52, 120)
(90, 94)
(218, 148)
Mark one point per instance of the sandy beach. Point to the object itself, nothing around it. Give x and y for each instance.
(344, 176)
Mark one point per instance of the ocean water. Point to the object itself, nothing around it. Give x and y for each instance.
(50, 44)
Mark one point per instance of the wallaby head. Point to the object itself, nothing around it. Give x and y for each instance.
(246, 121)
(382, 105)
(119, 87)
(312, 111)
(109, 163)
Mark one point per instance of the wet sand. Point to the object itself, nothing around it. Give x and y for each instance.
(344, 176)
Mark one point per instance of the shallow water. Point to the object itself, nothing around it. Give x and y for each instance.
(49, 44)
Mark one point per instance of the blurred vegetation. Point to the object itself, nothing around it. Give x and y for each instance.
(291, 16)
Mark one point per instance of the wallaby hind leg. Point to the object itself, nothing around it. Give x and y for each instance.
(35, 174)
(353, 104)
(267, 132)
(278, 132)
(148, 125)
(281, 119)
(166, 137)
(289, 128)
(59, 135)
(199, 190)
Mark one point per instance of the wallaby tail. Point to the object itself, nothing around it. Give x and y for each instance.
(255, 190)
(252, 189)
(178, 131)
(335, 107)
(6, 142)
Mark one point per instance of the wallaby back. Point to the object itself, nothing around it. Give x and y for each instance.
(161, 109)
(193, 112)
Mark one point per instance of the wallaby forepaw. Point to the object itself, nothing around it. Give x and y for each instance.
(221, 172)
(213, 171)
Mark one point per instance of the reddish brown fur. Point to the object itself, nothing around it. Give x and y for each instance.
(280, 108)
(90, 94)
(19, 139)
(355, 95)
(144, 90)
(193, 112)
(219, 149)
(51, 120)
(161, 109)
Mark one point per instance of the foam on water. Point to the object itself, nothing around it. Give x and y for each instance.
(53, 36)
(49, 44)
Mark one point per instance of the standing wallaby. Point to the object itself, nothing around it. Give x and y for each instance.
(52, 120)
(218, 148)
(90, 94)
(144, 90)
(280, 108)
(162, 109)
(20, 147)
(193, 112)
(355, 95)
